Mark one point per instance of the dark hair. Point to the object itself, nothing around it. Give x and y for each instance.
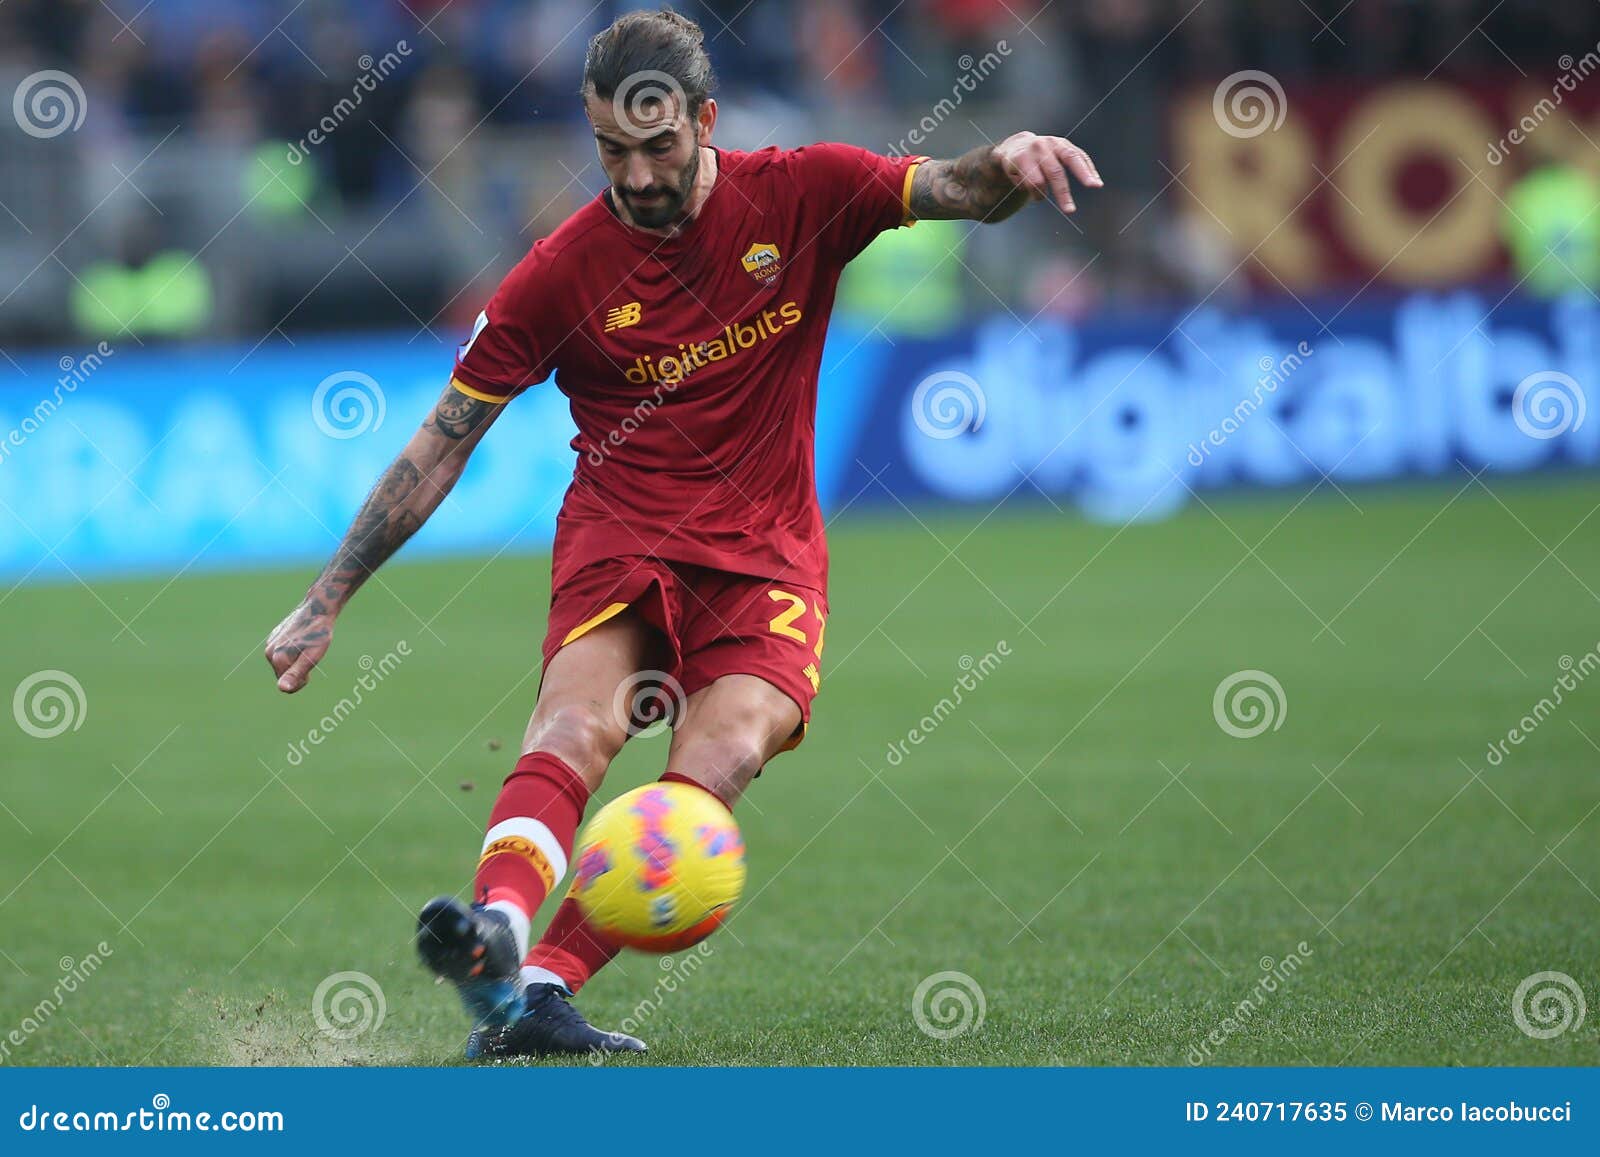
(665, 43)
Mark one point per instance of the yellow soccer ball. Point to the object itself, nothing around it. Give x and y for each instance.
(659, 867)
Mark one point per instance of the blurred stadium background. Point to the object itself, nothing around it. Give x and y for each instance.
(1342, 282)
(177, 194)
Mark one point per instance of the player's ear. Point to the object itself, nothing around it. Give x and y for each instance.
(705, 120)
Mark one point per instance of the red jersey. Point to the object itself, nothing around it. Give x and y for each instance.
(691, 361)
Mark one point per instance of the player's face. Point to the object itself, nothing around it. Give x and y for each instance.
(651, 155)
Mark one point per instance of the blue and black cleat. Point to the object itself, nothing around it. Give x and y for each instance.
(548, 1026)
(475, 949)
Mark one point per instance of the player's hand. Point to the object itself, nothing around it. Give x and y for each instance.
(298, 643)
(1041, 165)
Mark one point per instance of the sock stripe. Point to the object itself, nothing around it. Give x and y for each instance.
(532, 840)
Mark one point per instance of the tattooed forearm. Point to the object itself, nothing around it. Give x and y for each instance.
(410, 490)
(379, 529)
(973, 187)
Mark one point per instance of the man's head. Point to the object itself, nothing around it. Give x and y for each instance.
(646, 87)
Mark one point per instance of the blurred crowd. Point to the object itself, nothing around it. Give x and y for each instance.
(469, 144)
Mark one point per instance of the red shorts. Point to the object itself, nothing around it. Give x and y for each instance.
(715, 623)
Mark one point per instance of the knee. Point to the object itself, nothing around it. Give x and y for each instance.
(585, 739)
(723, 766)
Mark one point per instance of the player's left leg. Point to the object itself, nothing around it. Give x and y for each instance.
(751, 664)
(728, 731)
(752, 654)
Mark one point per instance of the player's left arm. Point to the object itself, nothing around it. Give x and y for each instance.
(992, 182)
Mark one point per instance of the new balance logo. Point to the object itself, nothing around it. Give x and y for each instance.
(623, 316)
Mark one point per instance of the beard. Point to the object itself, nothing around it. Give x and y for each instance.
(667, 202)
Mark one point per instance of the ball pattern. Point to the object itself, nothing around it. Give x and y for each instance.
(659, 867)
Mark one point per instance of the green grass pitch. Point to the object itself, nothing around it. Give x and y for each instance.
(1079, 836)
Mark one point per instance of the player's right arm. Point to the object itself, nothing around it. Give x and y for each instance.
(512, 346)
(409, 491)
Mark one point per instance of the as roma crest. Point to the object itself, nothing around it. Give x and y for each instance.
(763, 262)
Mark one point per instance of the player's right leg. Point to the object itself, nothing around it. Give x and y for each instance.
(571, 740)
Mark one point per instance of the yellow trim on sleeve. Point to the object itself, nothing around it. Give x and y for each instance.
(472, 393)
(905, 193)
(588, 625)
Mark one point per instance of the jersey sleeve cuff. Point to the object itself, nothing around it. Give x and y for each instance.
(906, 216)
(473, 391)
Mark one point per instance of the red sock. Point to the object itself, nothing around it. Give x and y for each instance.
(674, 777)
(531, 830)
(569, 947)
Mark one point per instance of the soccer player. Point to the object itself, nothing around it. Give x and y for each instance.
(683, 313)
